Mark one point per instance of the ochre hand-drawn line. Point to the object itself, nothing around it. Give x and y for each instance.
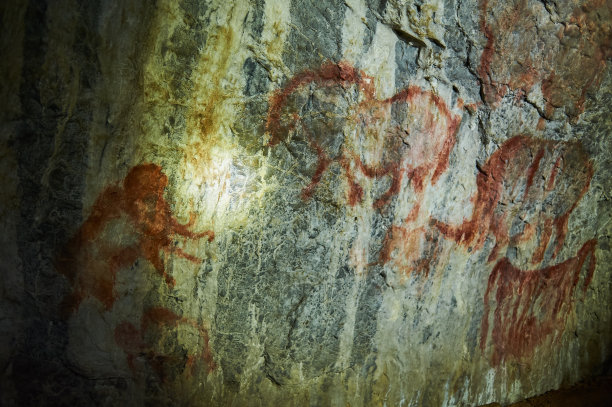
(526, 192)
(380, 147)
(409, 134)
(153, 343)
(531, 305)
(565, 66)
(91, 263)
(527, 186)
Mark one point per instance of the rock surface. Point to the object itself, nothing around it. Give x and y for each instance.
(270, 202)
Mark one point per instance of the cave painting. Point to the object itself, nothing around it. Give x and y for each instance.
(530, 306)
(408, 249)
(526, 192)
(557, 48)
(91, 261)
(410, 134)
(527, 186)
(155, 344)
(380, 146)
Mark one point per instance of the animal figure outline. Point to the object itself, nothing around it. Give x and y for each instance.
(417, 149)
(380, 146)
(526, 192)
(91, 265)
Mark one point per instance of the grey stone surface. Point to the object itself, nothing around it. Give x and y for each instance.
(303, 203)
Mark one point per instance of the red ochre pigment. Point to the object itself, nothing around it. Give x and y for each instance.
(141, 341)
(410, 250)
(516, 180)
(329, 74)
(531, 305)
(416, 143)
(141, 201)
(435, 138)
(540, 183)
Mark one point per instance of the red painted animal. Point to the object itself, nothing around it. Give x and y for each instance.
(91, 262)
(525, 307)
(334, 112)
(525, 194)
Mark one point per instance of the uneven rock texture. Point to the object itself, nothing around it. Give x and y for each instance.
(270, 202)
(593, 393)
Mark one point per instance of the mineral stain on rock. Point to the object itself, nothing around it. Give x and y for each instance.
(91, 263)
(562, 49)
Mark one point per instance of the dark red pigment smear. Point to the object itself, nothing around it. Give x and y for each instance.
(392, 170)
(141, 200)
(531, 305)
(531, 171)
(355, 193)
(553, 174)
(408, 96)
(517, 166)
(344, 75)
(155, 323)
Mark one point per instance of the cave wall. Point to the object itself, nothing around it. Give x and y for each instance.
(268, 202)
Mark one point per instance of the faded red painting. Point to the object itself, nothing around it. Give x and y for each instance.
(559, 48)
(526, 307)
(371, 140)
(526, 192)
(408, 249)
(379, 146)
(400, 146)
(154, 344)
(91, 262)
